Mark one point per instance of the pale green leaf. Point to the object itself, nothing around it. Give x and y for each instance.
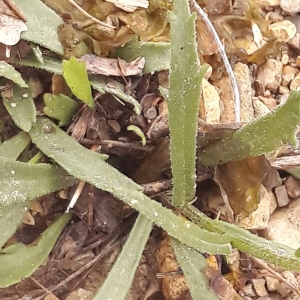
(75, 74)
(249, 243)
(119, 279)
(157, 54)
(89, 166)
(60, 107)
(193, 265)
(19, 261)
(12, 148)
(20, 183)
(183, 103)
(138, 131)
(258, 137)
(99, 83)
(11, 73)
(42, 23)
(37, 52)
(21, 107)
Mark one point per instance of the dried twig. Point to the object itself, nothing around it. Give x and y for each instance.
(229, 70)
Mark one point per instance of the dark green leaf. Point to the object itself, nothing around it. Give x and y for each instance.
(60, 107)
(42, 24)
(20, 183)
(12, 148)
(21, 107)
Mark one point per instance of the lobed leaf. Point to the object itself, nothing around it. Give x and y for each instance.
(19, 184)
(53, 65)
(258, 137)
(19, 261)
(75, 74)
(60, 107)
(120, 277)
(21, 107)
(90, 167)
(42, 23)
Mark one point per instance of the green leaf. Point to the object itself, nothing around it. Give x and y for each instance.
(37, 52)
(42, 23)
(99, 83)
(183, 104)
(138, 131)
(193, 265)
(60, 107)
(19, 261)
(12, 148)
(157, 54)
(75, 74)
(271, 252)
(11, 73)
(258, 137)
(20, 183)
(49, 64)
(89, 166)
(119, 279)
(21, 107)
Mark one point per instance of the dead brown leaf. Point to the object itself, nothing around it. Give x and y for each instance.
(111, 66)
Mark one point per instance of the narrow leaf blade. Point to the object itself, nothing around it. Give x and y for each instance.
(271, 252)
(42, 24)
(19, 184)
(119, 279)
(12, 148)
(19, 261)
(184, 95)
(11, 73)
(193, 265)
(21, 107)
(90, 167)
(258, 137)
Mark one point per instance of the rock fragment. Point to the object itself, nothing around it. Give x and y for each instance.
(259, 287)
(284, 30)
(290, 6)
(243, 77)
(259, 108)
(270, 74)
(210, 104)
(268, 3)
(272, 283)
(288, 74)
(284, 225)
(292, 186)
(282, 196)
(295, 84)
